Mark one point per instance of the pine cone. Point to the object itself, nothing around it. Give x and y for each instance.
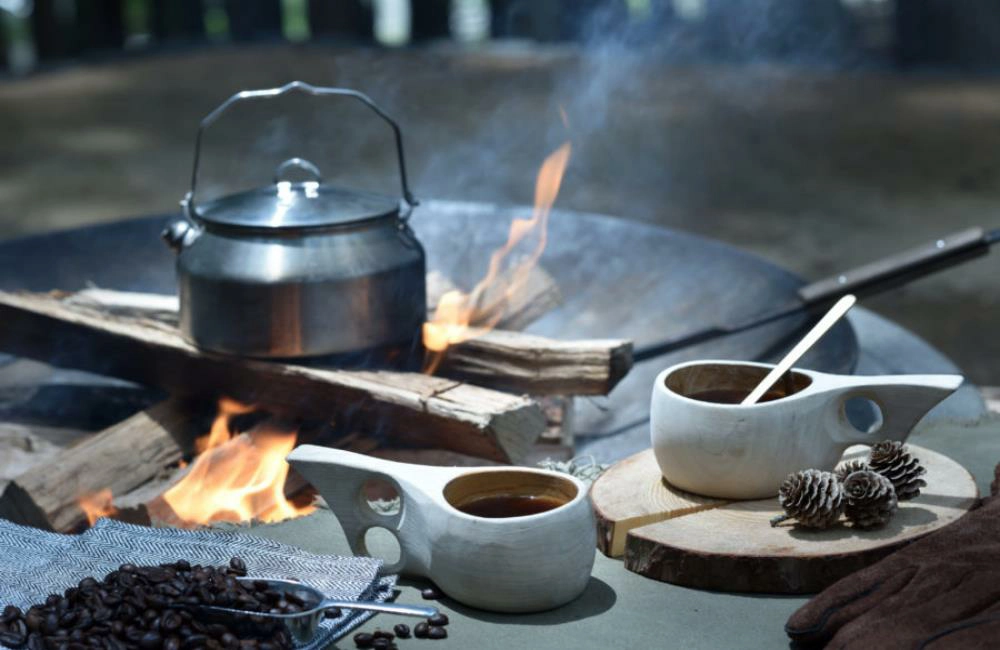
(847, 468)
(814, 498)
(893, 461)
(871, 499)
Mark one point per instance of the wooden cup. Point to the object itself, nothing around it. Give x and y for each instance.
(512, 564)
(731, 451)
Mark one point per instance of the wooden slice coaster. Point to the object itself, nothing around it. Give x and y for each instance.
(673, 536)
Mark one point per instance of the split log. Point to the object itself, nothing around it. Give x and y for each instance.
(501, 359)
(559, 420)
(538, 365)
(414, 409)
(119, 459)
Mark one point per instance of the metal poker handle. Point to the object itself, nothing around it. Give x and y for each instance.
(320, 91)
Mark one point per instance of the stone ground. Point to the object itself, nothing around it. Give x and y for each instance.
(817, 171)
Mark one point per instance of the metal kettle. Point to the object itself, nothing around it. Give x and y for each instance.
(298, 268)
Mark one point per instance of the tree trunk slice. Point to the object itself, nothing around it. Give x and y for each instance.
(731, 546)
(632, 494)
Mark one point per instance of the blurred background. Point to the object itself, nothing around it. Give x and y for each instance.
(820, 134)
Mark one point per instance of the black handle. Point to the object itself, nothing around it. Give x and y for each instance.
(863, 281)
(899, 269)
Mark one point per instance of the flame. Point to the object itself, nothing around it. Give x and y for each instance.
(460, 316)
(236, 478)
(96, 505)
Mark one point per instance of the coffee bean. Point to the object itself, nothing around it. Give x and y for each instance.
(430, 593)
(363, 640)
(34, 619)
(11, 640)
(151, 641)
(381, 644)
(420, 630)
(438, 619)
(238, 566)
(170, 621)
(10, 614)
(133, 607)
(51, 623)
(111, 643)
(215, 629)
(402, 630)
(20, 628)
(437, 632)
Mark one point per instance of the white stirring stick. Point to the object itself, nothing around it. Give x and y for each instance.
(815, 334)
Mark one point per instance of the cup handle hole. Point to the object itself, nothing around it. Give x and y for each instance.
(864, 414)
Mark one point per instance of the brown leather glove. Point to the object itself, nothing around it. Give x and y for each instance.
(942, 591)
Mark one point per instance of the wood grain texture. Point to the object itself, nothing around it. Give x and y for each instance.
(539, 365)
(409, 407)
(498, 358)
(119, 458)
(632, 494)
(731, 546)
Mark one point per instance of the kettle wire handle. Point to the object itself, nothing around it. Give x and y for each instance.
(300, 86)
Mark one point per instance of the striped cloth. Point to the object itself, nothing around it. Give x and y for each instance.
(35, 563)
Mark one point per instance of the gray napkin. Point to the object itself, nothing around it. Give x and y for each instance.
(34, 563)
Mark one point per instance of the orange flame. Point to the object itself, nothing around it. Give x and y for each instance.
(460, 316)
(236, 478)
(97, 505)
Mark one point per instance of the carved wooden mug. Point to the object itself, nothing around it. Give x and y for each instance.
(732, 451)
(509, 564)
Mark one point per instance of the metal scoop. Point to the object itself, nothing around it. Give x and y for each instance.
(302, 626)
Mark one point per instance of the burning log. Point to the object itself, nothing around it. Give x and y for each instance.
(118, 459)
(539, 365)
(498, 358)
(428, 411)
(510, 310)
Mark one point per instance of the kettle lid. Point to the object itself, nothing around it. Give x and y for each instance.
(302, 204)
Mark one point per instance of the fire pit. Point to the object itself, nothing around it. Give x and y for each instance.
(615, 278)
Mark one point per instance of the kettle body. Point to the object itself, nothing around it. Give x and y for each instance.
(299, 268)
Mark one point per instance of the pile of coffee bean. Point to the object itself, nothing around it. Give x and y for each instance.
(432, 628)
(149, 608)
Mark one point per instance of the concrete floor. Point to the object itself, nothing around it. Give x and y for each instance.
(817, 171)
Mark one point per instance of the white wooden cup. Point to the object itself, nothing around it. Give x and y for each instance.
(511, 564)
(732, 451)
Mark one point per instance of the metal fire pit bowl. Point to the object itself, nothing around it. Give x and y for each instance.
(618, 279)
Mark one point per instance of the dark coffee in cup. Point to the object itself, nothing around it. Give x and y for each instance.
(509, 505)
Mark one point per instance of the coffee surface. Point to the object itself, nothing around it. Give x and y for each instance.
(729, 396)
(509, 505)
